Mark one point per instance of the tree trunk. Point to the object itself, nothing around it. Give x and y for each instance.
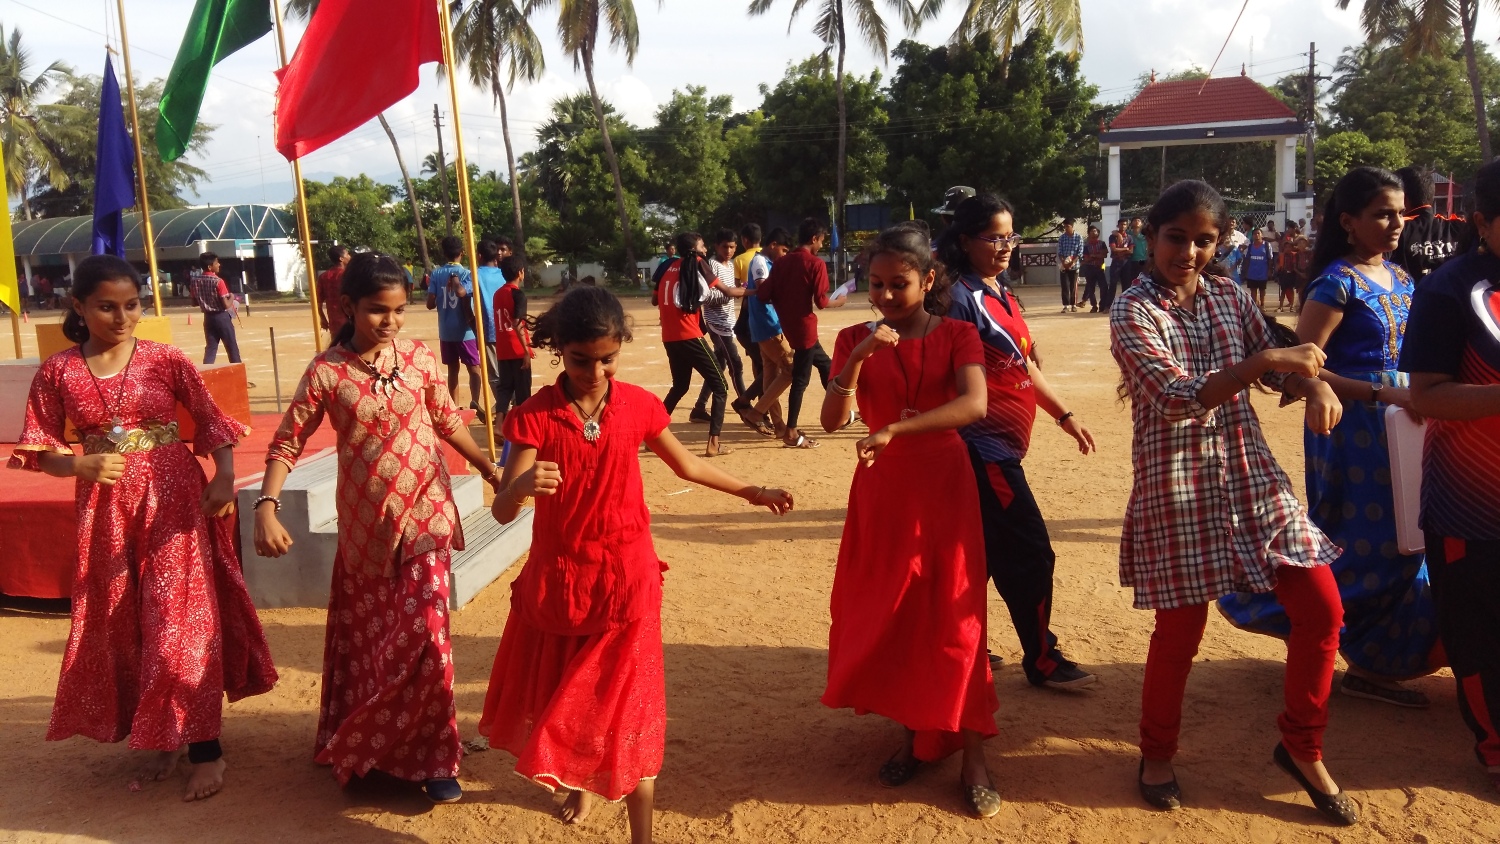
(416, 207)
(839, 197)
(614, 165)
(510, 157)
(1469, 13)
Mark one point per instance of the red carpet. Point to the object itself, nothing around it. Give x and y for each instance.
(40, 527)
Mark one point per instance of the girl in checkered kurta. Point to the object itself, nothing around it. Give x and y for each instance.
(1211, 513)
(387, 661)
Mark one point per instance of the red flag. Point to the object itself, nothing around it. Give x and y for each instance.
(357, 58)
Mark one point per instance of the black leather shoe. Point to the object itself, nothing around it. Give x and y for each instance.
(1339, 808)
(1165, 796)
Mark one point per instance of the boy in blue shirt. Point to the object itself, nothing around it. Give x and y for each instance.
(448, 292)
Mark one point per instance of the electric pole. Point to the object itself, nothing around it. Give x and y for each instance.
(1309, 156)
(437, 122)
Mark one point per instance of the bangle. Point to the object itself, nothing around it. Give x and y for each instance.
(1236, 377)
(755, 499)
(510, 490)
(263, 499)
(490, 475)
(1375, 392)
(1064, 418)
(840, 390)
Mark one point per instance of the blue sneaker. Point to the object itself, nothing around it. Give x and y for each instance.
(444, 790)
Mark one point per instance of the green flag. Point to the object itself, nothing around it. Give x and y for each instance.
(216, 29)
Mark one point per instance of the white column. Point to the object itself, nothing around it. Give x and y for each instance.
(1109, 211)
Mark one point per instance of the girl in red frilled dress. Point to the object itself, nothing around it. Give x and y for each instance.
(578, 692)
(387, 662)
(908, 603)
(163, 627)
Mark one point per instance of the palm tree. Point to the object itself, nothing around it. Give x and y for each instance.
(1008, 21)
(304, 9)
(1426, 27)
(23, 135)
(493, 36)
(579, 25)
(830, 28)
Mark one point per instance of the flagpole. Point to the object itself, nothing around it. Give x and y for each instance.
(304, 229)
(466, 209)
(140, 165)
(15, 327)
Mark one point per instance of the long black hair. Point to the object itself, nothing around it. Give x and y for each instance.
(583, 315)
(1485, 200)
(368, 274)
(971, 217)
(1353, 194)
(92, 272)
(909, 244)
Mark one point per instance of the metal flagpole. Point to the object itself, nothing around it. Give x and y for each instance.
(468, 219)
(304, 230)
(140, 166)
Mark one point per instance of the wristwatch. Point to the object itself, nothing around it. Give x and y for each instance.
(1375, 392)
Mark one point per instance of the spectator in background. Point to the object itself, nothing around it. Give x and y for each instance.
(448, 291)
(1138, 254)
(211, 295)
(1095, 253)
(1069, 251)
(491, 280)
(750, 237)
(1255, 269)
(1286, 269)
(1121, 246)
(329, 283)
(1427, 240)
(719, 317)
(512, 339)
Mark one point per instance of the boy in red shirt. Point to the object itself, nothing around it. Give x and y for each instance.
(512, 343)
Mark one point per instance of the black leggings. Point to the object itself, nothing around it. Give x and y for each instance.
(204, 751)
(729, 358)
(687, 356)
(803, 363)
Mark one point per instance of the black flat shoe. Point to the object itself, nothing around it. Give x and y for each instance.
(1165, 796)
(1339, 808)
(894, 773)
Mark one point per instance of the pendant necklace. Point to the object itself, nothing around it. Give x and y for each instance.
(117, 433)
(383, 384)
(911, 398)
(591, 429)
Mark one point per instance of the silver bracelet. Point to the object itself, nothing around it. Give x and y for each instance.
(263, 499)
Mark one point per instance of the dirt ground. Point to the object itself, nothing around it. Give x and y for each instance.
(751, 755)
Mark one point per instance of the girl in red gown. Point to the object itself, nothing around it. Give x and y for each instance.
(908, 602)
(163, 627)
(387, 661)
(578, 693)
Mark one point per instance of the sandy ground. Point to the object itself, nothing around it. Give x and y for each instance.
(752, 755)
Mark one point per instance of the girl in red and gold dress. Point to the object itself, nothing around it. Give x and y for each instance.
(578, 693)
(908, 602)
(387, 662)
(163, 627)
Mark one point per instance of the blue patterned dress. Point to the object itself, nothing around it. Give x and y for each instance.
(1389, 617)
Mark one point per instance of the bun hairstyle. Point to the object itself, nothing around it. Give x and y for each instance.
(582, 315)
(92, 272)
(368, 274)
(1354, 192)
(909, 244)
(971, 217)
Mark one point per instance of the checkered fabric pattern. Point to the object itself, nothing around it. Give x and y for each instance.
(1211, 512)
(206, 293)
(1070, 245)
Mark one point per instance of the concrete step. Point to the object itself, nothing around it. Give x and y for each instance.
(309, 513)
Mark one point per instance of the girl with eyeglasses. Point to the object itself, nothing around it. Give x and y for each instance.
(976, 250)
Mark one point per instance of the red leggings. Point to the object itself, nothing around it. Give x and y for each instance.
(1311, 599)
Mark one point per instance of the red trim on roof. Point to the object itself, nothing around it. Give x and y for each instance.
(1224, 100)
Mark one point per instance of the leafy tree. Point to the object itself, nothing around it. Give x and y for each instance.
(1008, 23)
(73, 133)
(25, 134)
(797, 151)
(958, 117)
(579, 23)
(689, 155)
(1339, 152)
(352, 211)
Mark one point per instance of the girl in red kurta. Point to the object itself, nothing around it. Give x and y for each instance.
(908, 602)
(578, 693)
(162, 627)
(387, 662)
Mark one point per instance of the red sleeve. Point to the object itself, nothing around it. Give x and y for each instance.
(657, 417)
(820, 283)
(216, 429)
(302, 418)
(223, 288)
(968, 349)
(843, 345)
(524, 425)
(45, 420)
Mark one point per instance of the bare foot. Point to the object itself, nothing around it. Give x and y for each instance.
(164, 763)
(577, 807)
(205, 780)
(1157, 772)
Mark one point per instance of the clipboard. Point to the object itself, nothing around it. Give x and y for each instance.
(1406, 438)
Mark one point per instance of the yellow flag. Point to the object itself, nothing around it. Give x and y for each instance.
(10, 291)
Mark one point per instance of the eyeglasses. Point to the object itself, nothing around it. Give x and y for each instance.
(1004, 243)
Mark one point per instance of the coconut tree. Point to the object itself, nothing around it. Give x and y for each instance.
(1007, 22)
(1427, 27)
(830, 27)
(579, 25)
(494, 38)
(23, 130)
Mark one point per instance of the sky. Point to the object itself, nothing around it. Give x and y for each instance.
(1122, 40)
